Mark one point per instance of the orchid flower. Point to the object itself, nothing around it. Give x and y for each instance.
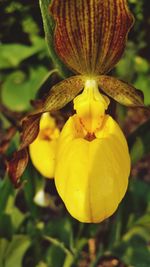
(92, 159)
(42, 150)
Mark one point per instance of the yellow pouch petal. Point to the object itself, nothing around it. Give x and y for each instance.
(92, 177)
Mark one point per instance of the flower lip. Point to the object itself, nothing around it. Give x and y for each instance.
(92, 177)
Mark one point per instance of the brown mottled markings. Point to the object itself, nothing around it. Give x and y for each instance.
(120, 91)
(62, 93)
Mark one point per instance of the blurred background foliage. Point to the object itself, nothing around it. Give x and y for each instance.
(35, 229)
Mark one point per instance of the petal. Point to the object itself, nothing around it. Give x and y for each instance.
(121, 91)
(17, 165)
(30, 129)
(90, 106)
(43, 149)
(58, 97)
(19, 161)
(62, 93)
(90, 36)
(42, 154)
(92, 177)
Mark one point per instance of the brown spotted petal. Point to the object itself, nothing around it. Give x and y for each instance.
(30, 125)
(120, 91)
(90, 35)
(62, 93)
(19, 160)
(17, 165)
(59, 95)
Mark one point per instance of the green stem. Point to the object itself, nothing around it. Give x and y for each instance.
(60, 245)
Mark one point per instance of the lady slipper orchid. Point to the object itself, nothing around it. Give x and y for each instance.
(93, 163)
(42, 150)
(92, 159)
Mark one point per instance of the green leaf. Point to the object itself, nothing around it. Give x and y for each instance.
(31, 177)
(6, 229)
(60, 230)
(126, 63)
(138, 146)
(19, 88)
(55, 256)
(11, 55)
(42, 264)
(58, 244)
(139, 141)
(143, 82)
(3, 248)
(134, 251)
(49, 26)
(144, 221)
(15, 214)
(141, 65)
(140, 194)
(15, 251)
(6, 189)
(132, 248)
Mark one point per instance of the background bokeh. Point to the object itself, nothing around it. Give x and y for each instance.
(35, 229)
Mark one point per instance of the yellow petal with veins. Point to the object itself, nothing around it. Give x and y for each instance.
(43, 149)
(92, 176)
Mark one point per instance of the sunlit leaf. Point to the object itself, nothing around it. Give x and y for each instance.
(15, 250)
(143, 82)
(19, 88)
(12, 54)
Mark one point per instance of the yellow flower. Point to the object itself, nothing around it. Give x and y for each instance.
(93, 162)
(92, 159)
(43, 149)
